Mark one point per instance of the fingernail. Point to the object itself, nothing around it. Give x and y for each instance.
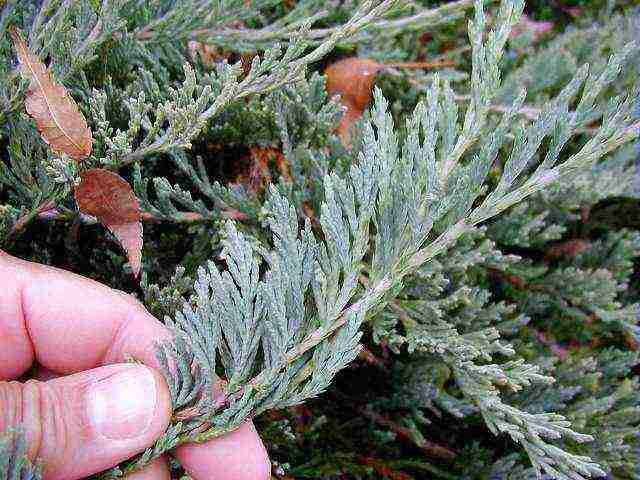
(122, 405)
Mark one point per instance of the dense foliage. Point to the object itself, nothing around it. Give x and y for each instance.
(283, 244)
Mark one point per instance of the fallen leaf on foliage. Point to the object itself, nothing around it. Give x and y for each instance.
(353, 78)
(57, 115)
(108, 197)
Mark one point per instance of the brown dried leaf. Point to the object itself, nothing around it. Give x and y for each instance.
(352, 79)
(108, 197)
(57, 116)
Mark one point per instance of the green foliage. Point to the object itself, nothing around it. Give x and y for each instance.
(392, 244)
(14, 464)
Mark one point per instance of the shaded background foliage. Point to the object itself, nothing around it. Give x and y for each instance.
(558, 275)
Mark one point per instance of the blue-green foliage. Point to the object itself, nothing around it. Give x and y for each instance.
(455, 234)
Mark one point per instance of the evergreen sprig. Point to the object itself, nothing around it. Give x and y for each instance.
(294, 326)
(278, 315)
(14, 462)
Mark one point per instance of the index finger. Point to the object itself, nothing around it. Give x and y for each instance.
(68, 323)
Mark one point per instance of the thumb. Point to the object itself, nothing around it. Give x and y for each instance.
(87, 422)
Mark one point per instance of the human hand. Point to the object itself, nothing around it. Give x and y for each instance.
(90, 411)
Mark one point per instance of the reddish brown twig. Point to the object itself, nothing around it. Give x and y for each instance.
(429, 448)
(386, 471)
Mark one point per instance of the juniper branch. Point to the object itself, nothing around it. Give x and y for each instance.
(254, 84)
(427, 18)
(374, 293)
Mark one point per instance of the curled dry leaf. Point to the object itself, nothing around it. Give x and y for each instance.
(108, 197)
(353, 78)
(57, 115)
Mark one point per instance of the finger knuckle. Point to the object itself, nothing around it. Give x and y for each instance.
(10, 405)
(35, 409)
